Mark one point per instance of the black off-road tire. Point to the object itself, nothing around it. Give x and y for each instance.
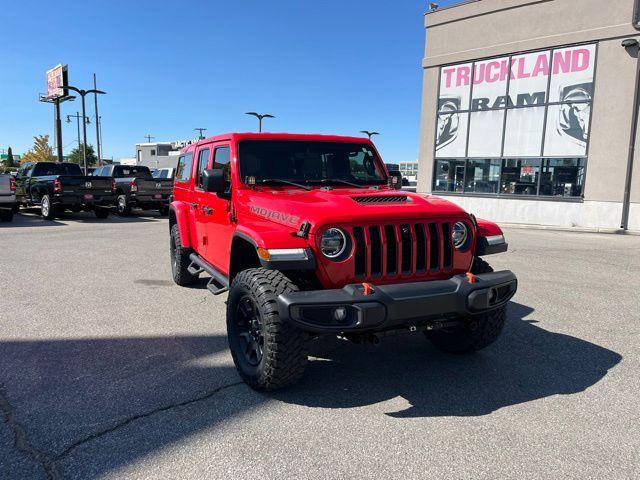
(47, 209)
(164, 210)
(475, 333)
(6, 215)
(101, 213)
(480, 266)
(179, 259)
(122, 206)
(284, 349)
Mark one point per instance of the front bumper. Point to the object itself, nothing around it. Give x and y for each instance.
(396, 306)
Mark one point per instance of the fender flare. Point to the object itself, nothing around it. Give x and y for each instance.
(490, 238)
(181, 212)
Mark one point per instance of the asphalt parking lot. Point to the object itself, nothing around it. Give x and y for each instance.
(109, 370)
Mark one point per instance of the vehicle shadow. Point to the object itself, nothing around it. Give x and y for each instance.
(22, 220)
(91, 406)
(527, 363)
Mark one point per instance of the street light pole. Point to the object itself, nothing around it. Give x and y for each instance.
(260, 117)
(95, 100)
(200, 130)
(369, 134)
(83, 93)
(148, 137)
(77, 117)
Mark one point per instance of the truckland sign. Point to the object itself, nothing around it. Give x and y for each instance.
(525, 105)
(57, 80)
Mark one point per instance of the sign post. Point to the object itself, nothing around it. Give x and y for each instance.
(57, 92)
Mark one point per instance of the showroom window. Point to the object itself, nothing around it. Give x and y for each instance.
(516, 125)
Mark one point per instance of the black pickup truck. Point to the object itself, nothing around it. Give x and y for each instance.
(56, 187)
(136, 188)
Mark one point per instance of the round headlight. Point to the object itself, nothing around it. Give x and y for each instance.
(459, 234)
(333, 243)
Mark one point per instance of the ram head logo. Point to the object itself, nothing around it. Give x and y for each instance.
(448, 120)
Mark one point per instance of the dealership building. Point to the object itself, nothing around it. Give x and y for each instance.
(529, 108)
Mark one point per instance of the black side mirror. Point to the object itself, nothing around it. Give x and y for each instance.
(395, 179)
(213, 181)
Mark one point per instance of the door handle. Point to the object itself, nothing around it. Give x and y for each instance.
(207, 210)
(194, 204)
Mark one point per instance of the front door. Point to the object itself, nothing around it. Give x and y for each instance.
(199, 200)
(218, 228)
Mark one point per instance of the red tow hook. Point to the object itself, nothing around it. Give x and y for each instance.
(471, 277)
(367, 289)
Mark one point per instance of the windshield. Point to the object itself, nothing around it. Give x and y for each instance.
(45, 168)
(310, 162)
(127, 171)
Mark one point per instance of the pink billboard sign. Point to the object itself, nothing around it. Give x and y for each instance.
(56, 81)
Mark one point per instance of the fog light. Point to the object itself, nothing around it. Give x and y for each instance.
(340, 314)
(493, 295)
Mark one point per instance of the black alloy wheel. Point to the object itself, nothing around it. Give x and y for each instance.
(249, 331)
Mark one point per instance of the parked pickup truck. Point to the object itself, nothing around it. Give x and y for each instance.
(310, 238)
(135, 187)
(56, 187)
(7, 197)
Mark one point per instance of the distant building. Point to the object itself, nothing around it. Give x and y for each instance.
(408, 169)
(157, 154)
(392, 166)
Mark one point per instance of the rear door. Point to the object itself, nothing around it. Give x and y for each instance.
(218, 226)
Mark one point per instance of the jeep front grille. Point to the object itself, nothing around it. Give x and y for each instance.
(402, 249)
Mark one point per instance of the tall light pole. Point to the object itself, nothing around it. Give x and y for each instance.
(200, 130)
(83, 93)
(98, 132)
(77, 117)
(260, 117)
(369, 134)
(148, 137)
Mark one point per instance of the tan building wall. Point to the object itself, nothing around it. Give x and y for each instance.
(488, 28)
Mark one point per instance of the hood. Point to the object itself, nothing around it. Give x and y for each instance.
(322, 206)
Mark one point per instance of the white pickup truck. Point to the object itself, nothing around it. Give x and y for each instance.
(7, 197)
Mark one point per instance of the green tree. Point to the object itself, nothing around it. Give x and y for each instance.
(76, 156)
(40, 152)
(9, 160)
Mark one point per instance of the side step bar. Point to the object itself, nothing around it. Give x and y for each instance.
(218, 283)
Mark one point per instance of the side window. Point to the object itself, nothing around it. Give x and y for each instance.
(183, 171)
(222, 159)
(203, 162)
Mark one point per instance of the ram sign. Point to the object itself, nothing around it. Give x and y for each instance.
(57, 79)
(525, 105)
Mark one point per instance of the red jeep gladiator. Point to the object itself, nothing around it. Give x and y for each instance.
(310, 237)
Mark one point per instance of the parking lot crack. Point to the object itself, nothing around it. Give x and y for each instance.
(134, 418)
(21, 439)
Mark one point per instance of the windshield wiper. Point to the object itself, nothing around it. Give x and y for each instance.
(325, 181)
(286, 182)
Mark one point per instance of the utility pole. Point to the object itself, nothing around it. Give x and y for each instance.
(95, 101)
(200, 130)
(83, 93)
(148, 137)
(260, 117)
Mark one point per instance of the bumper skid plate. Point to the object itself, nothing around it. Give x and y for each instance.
(389, 306)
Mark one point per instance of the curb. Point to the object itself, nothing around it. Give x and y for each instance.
(560, 228)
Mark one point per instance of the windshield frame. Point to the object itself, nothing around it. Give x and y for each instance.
(319, 182)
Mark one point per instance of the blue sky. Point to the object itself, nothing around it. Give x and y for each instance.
(168, 67)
